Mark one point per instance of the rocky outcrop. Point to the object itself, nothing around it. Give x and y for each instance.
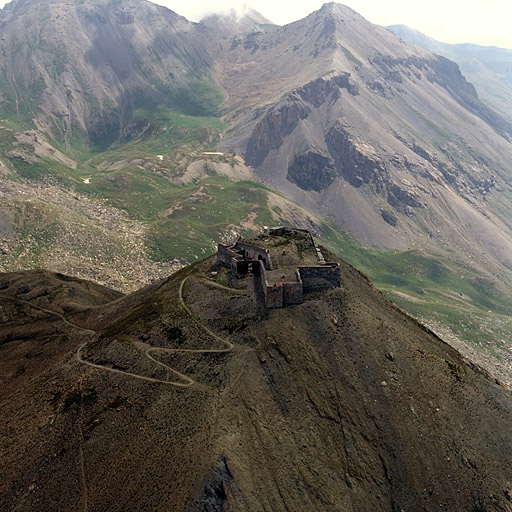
(381, 88)
(282, 119)
(213, 494)
(273, 128)
(400, 197)
(354, 159)
(389, 217)
(319, 91)
(458, 175)
(311, 171)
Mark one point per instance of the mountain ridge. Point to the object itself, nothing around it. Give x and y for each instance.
(487, 67)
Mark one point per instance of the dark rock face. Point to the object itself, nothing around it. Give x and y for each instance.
(281, 120)
(445, 73)
(457, 175)
(311, 171)
(399, 197)
(381, 88)
(448, 74)
(351, 162)
(272, 129)
(389, 217)
(320, 91)
(213, 494)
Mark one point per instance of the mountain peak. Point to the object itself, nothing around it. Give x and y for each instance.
(335, 7)
(341, 10)
(236, 21)
(335, 15)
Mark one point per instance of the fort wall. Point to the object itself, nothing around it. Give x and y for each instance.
(273, 294)
(254, 252)
(293, 292)
(225, 253)
(280, 294)
(247, 259)
(320, 277)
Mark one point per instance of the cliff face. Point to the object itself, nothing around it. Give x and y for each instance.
(190, 395)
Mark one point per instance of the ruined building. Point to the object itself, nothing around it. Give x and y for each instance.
(287, 261)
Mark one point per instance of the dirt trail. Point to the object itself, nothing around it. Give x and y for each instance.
(148, 350)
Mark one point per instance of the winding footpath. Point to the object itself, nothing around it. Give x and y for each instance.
(148, 350)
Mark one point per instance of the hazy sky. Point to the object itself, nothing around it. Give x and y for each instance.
(486, 22)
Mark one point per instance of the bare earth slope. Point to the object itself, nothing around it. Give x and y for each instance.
(188, 395)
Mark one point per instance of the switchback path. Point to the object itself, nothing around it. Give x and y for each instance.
(148, 350)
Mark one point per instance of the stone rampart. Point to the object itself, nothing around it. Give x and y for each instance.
(225, 253)
(320, 277)
(293, 293)
(280, 294)
(272, 294)
(254, 252)
(248, 259)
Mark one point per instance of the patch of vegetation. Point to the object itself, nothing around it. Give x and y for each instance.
(20, 101)
(443, 135)
(200, 98)
(350, 56)
(199, 216)
(39, 171)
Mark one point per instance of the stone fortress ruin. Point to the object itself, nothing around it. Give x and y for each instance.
(287, 261)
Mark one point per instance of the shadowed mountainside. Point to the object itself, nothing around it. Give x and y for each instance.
(89, 66)
(341, 403)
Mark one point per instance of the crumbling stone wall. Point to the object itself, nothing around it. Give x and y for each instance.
(280, 294)
(225, 253)
(254, 252)
(277, 231)
(272, 294)
(320, 277)
(293, 292)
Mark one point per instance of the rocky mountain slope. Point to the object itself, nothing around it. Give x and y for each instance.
(487, 67)
(89, 66)
(389, 140)
(341, 403)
